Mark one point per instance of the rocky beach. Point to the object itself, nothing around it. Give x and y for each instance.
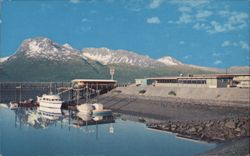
(225, 122)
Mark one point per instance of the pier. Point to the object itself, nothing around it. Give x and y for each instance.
(74, 92)
(83, 89)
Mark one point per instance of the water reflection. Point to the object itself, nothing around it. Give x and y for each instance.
(42, 117)
(42, 131)
(66, 132)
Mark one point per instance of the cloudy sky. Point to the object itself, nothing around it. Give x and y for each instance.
(211, 33)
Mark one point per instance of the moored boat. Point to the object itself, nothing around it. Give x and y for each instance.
(13, 105)
(95, 109)
(50, 101)
(85, 108)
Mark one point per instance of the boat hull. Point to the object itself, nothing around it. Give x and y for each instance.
(49, 104)
(50, 113)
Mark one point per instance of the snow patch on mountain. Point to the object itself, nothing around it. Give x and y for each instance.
(102, 55)
(3, 59)
(44, 48)
(169, 61)
(108, 56)
(68, 46)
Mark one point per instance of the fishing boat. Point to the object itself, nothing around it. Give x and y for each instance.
(50, 100)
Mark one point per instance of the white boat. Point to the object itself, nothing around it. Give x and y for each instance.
(85, 108)
(95, 109)
(50, 101)
(13, 105)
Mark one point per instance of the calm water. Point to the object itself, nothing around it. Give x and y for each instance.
(37, 132)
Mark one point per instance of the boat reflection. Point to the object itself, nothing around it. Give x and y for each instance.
(51, 114)
(42, 117)
(37, 118)
(87, 119)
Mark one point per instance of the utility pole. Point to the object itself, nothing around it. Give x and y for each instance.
(112, 72)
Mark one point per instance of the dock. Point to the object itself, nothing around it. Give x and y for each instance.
(74, 92)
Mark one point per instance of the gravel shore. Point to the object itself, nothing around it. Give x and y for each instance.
(207, 120)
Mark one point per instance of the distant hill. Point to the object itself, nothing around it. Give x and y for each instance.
(41, 59)
(127, 73)
(239, 70)
(108, 56)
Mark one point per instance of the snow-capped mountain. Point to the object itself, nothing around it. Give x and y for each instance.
(41, 59)
(3, 59)
(44, 48)
(108, 56)
(169, 61)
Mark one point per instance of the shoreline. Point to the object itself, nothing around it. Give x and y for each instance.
(225, 122)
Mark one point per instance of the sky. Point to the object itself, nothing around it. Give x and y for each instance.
(212, 33)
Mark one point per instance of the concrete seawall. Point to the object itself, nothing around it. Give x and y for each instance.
(218, 94)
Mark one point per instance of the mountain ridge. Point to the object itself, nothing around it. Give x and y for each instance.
(41, 59)
(168, 60)
(44, 48)
(108, 56)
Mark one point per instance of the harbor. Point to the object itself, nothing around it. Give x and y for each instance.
(124, 78)
(71, 93)
(70, 135)
(84, 103)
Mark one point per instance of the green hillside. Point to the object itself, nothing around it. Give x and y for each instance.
(21, 69)
(126, 73)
